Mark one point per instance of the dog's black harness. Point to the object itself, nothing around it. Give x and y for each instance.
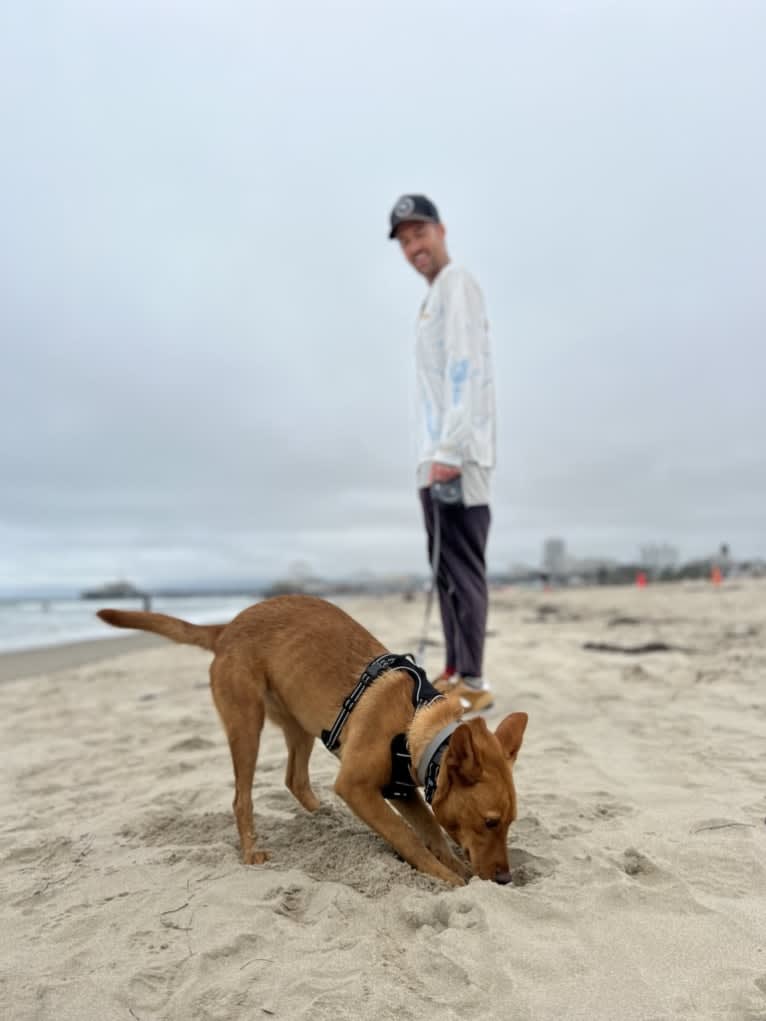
(401, 784)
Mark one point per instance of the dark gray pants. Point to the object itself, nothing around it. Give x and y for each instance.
(461, 580)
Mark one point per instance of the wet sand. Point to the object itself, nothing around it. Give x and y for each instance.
(32, 662)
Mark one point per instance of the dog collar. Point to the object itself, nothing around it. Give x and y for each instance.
(430, 760)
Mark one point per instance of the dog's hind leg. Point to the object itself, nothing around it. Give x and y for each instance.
(299, 746)
(242, 713)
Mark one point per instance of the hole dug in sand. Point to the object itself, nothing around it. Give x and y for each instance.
(528, 868)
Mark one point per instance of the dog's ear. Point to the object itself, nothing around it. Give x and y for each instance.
(510, 732)
(462, 756)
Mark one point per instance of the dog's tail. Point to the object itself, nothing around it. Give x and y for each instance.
(203, 635)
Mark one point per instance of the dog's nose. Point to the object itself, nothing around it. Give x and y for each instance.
(503, 877)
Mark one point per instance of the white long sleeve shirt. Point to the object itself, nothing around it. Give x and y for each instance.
(455, 387)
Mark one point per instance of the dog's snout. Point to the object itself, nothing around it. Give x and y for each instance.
(503, 877)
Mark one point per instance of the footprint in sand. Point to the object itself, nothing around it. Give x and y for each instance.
(446, 912)
(606, 808)
(192, 744)
(150, 988)
(48, 853)
(290, 902)
(636, 864)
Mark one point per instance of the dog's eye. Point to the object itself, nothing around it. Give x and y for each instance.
(492, 824)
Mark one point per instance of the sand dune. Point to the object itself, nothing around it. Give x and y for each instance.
(639, 856)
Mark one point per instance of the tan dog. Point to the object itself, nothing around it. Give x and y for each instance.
(294, 659)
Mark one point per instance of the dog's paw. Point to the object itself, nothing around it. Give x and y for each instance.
(455, 864)
(256, 858)
(454, 879)
(449, 869)
(451, 860)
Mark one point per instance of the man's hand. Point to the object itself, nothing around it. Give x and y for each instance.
(442, 472)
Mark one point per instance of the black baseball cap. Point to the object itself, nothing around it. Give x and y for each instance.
(413, 207)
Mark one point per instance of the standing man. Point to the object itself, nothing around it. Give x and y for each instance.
(456, 436)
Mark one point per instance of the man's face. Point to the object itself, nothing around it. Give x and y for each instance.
(424, 247)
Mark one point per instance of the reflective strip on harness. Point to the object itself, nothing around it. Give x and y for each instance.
(423, 691)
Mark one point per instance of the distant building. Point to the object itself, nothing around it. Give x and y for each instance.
(659, 557)
(555, 558)
(591, 566)
(723, 560)
(755, 568)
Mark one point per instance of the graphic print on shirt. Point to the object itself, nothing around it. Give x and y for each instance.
(458, 374)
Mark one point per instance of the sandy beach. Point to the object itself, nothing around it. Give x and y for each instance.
(639, 855)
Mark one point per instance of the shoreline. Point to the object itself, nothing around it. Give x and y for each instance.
(18, 664)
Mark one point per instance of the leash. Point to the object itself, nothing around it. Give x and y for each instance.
(432, 583)
(448, 493)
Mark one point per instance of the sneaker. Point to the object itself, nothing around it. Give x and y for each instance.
(473, 700)
(446, 680)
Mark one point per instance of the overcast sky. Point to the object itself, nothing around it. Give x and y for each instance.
(207, 339)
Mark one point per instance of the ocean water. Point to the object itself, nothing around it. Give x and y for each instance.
(32, 624)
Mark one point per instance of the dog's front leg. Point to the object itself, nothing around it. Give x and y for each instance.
(367, 802)
(422, 820)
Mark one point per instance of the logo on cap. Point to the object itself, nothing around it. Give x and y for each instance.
(404, 207)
